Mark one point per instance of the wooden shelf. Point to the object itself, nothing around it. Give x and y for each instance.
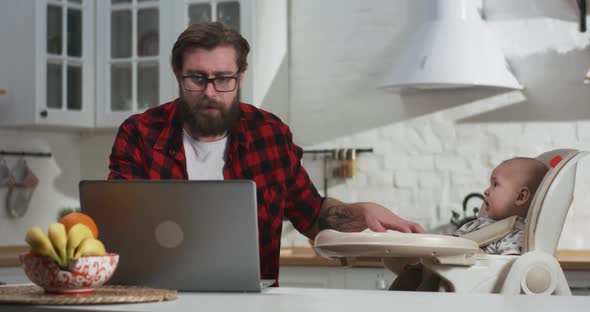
(574, 260)
(9, 255)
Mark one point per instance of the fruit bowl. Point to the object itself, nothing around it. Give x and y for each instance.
(80, 278)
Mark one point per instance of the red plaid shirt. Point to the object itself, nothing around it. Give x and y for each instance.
(261, 148)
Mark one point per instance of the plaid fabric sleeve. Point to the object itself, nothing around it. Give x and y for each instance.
(125, 160)
(303, 200)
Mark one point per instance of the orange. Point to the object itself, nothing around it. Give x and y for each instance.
(73, 218)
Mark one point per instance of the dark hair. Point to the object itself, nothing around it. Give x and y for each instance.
(209, 36)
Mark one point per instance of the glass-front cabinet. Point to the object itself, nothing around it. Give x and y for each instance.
(132, 58)
(134, 43)
(226, 12)
(47, 62)
(92, 64)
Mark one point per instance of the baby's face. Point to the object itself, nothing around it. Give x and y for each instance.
(502, 193)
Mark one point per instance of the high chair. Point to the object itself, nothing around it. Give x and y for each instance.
(456, 264)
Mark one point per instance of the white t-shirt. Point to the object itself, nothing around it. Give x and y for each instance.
(204, 160)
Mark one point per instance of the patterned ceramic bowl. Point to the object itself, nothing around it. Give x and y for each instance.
(81, 277)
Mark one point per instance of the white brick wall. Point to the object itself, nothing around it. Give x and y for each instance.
(426, 187)
(427, 159)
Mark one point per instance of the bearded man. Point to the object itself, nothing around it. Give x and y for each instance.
(207, 133)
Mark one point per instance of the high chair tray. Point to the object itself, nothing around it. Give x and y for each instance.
(333, 244)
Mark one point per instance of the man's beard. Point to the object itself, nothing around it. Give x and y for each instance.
(203, 123)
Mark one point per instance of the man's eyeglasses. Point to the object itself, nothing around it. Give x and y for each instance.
(199, 83)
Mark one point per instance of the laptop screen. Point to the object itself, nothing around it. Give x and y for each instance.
(185, 235)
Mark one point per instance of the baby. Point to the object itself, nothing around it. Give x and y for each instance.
(512, 186)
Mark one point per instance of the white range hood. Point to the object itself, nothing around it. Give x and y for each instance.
(454, 49)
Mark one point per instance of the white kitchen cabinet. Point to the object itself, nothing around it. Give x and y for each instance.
(86, 64)
(132, 53)
(379, 278)
(335, 277)
(134, 43)
(13, 275)
(368, 278)
(579, 282)
(311, 277)
(46, 64)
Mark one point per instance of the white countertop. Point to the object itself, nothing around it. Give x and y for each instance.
(307, 299)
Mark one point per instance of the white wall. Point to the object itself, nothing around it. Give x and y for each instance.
(270, 53)
(95, 149)
(75, 157)
(433, 148)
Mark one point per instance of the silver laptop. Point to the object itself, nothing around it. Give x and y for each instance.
(185, 235)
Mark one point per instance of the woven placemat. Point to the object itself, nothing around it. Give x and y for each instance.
(31, 294)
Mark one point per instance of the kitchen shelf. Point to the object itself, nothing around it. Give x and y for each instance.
(24, 154)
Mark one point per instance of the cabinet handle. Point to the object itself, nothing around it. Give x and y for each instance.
(43, 113)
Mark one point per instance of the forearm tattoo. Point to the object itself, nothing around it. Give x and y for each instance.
(340, 218)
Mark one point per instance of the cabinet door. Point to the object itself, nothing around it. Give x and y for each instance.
(236, 14)
(579, 282)
(13, 275)
(369, 278)
(312, 277)
(335, 277)
(131, 58)
(64, 63)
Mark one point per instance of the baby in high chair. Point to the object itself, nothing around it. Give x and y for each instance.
(512, 186)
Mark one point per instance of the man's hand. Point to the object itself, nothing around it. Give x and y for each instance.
(380, 219)
(357, 217)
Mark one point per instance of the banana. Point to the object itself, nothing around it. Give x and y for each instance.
(76, 235)
(41, 244)
(59, 239)
(89, 247)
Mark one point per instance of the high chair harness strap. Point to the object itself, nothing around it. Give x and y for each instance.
(493, 232)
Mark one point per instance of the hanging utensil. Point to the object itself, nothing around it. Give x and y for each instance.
(20, 194)
(582, 7)
(351, 163)
(6, 178)
(6, 181)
